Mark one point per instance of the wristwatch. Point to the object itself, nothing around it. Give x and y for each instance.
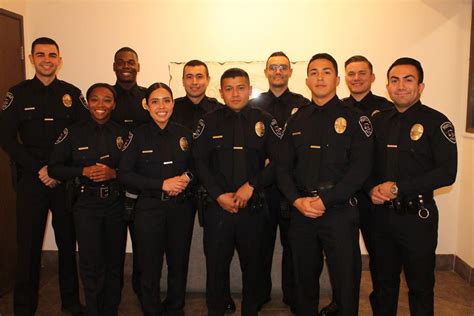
(394, 189)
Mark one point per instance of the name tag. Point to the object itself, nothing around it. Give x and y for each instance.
(128, 121)
(238, 148)
(30, 108)
(83, 148)
(315, 147)
(392, 146)
(296, 133)
(149, 151)
(105, 156)
(217, 136)
(167, 162)
(48, 119)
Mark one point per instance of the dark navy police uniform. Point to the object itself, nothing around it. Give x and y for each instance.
(98, 210)
(33, 115)
(231, 149)
(188, 114)
(417, 150)
(281, 108)
(163, 224)
(326, 152)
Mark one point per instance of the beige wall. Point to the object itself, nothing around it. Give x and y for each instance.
(435, 32)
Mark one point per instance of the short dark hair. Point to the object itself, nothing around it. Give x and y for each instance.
(277, 54)
(156, 86)
(196, 63)
(101, 85)
(323, 56)
(125, 49)
(408, 61)
(359, 58)
(45, 41)
(235, 72)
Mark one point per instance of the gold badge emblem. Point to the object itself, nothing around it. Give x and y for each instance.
(260, 129)
(340, 125)
(67, 100)
(183, 143)
(144, 105)
(294, 110)
(416, 131)
(119, 142)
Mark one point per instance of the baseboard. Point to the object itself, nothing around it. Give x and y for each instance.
(465, 271)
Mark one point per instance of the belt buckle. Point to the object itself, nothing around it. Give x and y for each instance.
(104, 192)
(164, 196)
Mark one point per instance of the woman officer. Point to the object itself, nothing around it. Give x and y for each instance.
(87, 154)
(158, 164)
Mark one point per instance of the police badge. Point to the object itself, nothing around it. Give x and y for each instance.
(183, 143)
(260, 129)
(67, 100)
(340, 125)
(416, 131)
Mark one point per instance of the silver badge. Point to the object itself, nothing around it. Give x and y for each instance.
(365, 125)
(62, 136)
(7, 101)
(447, 129)
(199, 129)
(277, 130)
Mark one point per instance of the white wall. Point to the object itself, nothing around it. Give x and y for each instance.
(435, 32)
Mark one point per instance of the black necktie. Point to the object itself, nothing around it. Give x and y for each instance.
(102, 141)
(392, 149)
(317, 143)
(166, 154)
(239, 159)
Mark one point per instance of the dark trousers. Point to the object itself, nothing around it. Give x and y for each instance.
(277, 218)
(101, 235)
(224, 232)
(366, 221)
(163, 227)
(336, 233)
(410, 242)
(135, 265)
(33, 202)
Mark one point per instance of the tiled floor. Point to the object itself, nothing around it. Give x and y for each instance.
(453, 297)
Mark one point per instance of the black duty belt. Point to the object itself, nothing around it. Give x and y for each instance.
(404, 206)
(322, 188)
(164, 197)
(103, 191)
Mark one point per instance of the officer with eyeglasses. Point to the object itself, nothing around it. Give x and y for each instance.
(281, 103)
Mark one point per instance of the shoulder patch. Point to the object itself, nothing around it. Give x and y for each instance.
(199, 129)
(277, 130)
(62, 136)
(366, 125)
(447, 129)
(127, 141)
(8, 100)
(83, 101)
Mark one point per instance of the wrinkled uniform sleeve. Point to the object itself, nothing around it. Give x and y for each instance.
(60, 163)
(202, 151)
(9, 124)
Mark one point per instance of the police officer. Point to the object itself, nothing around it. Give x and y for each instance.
(33, 115)
(130, 112)
(359, 78)
(231, 148)
(158, 165)
(415, 154)
(87, 155)
(188, 110)
(281, 103)
(325, 157)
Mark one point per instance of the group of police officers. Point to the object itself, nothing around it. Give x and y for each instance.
(318, 169)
